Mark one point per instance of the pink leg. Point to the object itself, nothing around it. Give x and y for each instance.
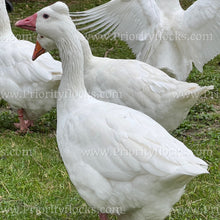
(23, 125)
(103, 216)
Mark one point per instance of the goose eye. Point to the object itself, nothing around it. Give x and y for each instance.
(45, 16)
(41, 36)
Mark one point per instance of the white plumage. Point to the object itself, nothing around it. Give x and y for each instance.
(115, 156)
(160, 32)
(25, 84)
(137, 85)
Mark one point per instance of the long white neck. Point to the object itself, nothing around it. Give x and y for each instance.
(5, 27)
(71, 54)
(85, 47)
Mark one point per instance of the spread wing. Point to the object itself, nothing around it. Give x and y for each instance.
(133, 21)
(202, 22)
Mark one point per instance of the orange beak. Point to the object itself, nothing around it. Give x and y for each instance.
(38, 50)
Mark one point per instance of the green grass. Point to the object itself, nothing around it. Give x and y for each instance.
(34, 183)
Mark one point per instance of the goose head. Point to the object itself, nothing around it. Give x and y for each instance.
(55, 23)
(43, 44)
(49, 21)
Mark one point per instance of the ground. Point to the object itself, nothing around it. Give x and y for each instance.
(34, 182)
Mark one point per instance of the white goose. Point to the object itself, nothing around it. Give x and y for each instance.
(119, 159)
(135, 84)
(160, 32)
(27, 86)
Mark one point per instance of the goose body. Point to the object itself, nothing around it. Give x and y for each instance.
(160, 32)
(137, 85)
(120, 160)
(24, 84)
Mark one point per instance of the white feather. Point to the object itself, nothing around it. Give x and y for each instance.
(24, 83)
(115, 156)
(160, 32)
(137, 85)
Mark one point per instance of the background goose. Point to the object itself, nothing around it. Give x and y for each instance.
(160, 32)
(27, 86)
(115, 156)
(135, 84)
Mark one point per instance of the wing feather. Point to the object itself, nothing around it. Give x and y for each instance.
(127, 143)
(132, 20)
(16, 56)
(202, 20)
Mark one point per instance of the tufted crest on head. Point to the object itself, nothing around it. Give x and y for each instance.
(60, 7)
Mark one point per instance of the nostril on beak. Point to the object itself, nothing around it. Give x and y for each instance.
(28, 23)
